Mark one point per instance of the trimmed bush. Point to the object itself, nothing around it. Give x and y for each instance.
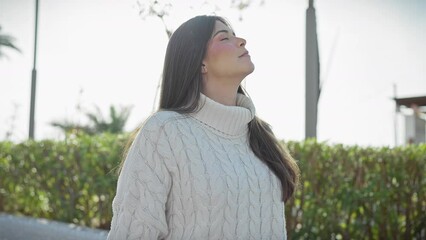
(349, 192)
(346, 192)
(72, 180)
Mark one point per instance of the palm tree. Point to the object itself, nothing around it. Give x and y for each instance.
(6, 41)
(70, 127)
(97, 122)
(115, 124)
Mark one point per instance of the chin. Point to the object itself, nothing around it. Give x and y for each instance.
(248, 72)
(250, 69)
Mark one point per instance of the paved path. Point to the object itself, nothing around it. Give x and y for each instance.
(25, 228)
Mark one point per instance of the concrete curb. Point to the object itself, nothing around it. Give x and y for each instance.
(26, 228)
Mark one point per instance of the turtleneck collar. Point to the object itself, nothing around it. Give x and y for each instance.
(231, 120)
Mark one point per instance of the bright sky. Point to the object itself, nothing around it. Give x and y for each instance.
(105, 49)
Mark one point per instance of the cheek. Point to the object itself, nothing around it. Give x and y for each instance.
(218, 52)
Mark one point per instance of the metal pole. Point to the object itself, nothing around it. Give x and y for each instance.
(395, 116)
(312, 73)
(33, 79)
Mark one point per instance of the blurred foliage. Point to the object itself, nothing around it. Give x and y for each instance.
(97, 122)
(351, 192)
(7, 41)
(163, 9)
(71, 180)
(346, 192)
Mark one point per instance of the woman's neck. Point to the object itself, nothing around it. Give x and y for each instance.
(224, 95)
(223, 91)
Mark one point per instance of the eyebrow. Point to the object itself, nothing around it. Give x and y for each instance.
(220, 31)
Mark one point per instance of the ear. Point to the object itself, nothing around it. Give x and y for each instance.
(203, 68)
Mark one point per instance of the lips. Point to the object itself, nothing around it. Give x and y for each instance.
(244, 54)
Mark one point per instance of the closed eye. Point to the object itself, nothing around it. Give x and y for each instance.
(224, 39)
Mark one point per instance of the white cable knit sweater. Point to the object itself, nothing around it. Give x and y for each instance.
(195, 177)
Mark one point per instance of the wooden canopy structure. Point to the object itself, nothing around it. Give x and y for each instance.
(411, 101)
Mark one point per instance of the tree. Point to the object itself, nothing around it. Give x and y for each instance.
(7, 41)
(115, 124)
(97, 122)
(163, 8)
(70, 127)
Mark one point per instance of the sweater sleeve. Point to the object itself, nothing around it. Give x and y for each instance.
(139, 207)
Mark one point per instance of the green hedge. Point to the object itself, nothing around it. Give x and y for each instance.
(72, 180)
(349, 192)
(346, 192)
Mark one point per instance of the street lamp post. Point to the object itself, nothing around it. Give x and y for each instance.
(312, 73)
(33, 79)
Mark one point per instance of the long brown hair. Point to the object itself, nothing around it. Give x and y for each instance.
(180, 92)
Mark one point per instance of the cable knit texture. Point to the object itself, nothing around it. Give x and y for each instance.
(194, 176)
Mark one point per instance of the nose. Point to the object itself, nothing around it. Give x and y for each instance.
(241, 42)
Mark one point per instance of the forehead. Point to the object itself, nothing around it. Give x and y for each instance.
(221, 26)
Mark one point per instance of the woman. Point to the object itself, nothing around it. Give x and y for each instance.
(204, 166)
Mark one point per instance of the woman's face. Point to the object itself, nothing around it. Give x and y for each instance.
(226, 55)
